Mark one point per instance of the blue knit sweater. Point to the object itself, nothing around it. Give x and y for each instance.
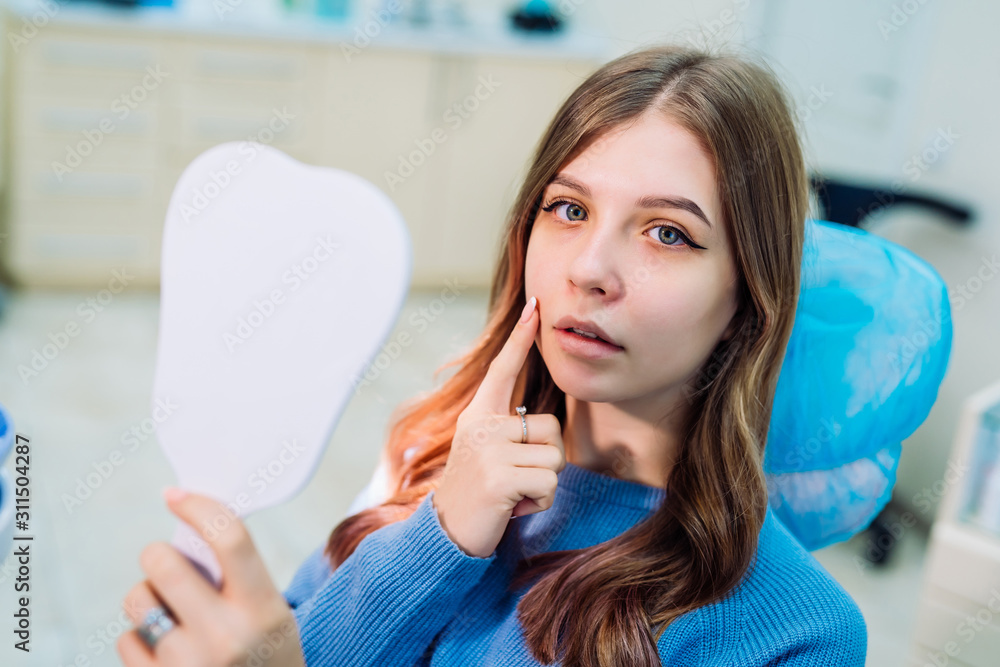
(409, 597)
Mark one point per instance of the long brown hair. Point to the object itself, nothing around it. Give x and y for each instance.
(610, 603)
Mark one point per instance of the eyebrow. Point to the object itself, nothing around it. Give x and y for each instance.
(648, 201)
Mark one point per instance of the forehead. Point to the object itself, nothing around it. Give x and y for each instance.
(652, 156)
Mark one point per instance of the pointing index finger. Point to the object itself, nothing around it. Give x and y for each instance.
(497, 386)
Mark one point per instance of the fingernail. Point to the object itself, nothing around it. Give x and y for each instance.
(528, 309)
(172, 494)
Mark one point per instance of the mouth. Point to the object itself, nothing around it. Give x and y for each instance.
(584, 344)
(585, 329)
(588, 335)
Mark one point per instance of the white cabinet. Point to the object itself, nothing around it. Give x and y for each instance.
(958, 622)
(87, 140)
(103, 118)
(379, 106)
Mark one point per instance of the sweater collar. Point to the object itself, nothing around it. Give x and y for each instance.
(605, 487)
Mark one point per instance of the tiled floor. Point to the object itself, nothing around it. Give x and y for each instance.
(88, 536)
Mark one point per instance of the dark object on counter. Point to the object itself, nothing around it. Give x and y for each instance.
(535, 16)
(850, 203)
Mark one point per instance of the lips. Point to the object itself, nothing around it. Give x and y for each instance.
(569, 322)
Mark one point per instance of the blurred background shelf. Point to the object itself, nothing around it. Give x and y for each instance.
(106, 108)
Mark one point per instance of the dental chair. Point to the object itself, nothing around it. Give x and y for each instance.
(7, 439)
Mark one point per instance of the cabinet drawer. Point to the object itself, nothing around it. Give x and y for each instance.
(246, 62)
(236, 95)
(963, 566)
(95, 88)
(292, 131)
(61, 50)
(37, 116)
(78, 217)
(113, 153)
(959, 628)
(40, 250)
(37, 181)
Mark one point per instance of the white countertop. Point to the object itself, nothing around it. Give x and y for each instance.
(483, 35)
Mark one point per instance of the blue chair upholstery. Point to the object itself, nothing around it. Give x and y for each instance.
(868, 351)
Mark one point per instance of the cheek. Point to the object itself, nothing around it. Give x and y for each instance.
(539, 268)
(682, 316)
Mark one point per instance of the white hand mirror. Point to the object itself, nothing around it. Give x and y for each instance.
(279, 283)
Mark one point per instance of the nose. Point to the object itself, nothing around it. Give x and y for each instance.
(596, 256)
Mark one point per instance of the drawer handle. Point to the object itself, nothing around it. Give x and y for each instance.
(83, 54)
(229, 129)
(225, 65)
(74, 120)
(89, 246)
(92, 185)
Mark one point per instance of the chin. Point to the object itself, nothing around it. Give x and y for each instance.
(591, 389)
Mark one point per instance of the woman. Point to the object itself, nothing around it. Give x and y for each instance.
(640, 310)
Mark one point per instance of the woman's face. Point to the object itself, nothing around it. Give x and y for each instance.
(612, 251)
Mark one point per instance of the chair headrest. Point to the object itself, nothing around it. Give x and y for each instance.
(868, 350)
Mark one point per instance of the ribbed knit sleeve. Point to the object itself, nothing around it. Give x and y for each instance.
(386, 602)
(845, 650)
(840, 639)
(794, 613)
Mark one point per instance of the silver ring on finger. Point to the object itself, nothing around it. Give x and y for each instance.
(157, 623)
(524, 424)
